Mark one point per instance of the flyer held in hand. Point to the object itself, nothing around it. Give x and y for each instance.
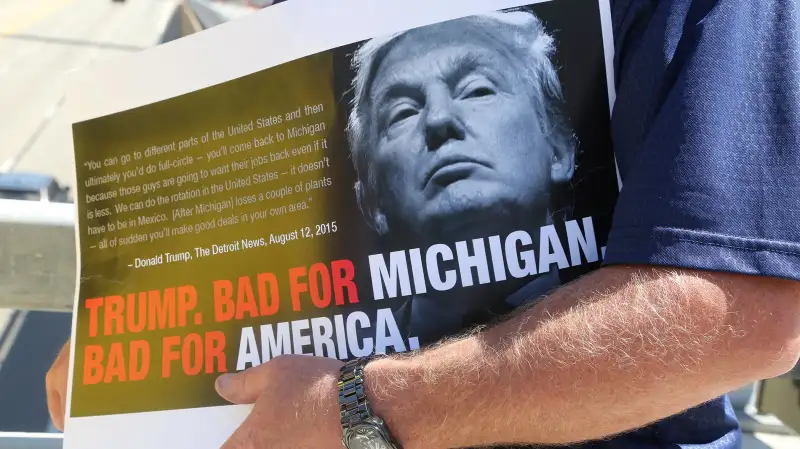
(328, 178)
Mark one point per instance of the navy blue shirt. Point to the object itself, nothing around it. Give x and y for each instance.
(706, 132)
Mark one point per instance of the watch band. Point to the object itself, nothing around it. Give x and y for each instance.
(353, 408)
(355, 416)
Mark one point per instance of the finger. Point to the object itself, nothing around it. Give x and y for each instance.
(58, 370)
(55, 406)
(56, 387)
(243, 387)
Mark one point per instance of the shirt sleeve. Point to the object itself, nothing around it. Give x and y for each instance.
(706, 129)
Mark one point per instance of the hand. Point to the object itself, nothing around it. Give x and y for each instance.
(296, 401)
(56, 386)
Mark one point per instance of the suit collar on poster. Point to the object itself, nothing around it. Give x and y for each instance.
(440, 320)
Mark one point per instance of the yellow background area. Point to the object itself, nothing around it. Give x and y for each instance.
(272, 92)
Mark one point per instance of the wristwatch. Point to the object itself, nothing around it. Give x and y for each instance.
(361, 429)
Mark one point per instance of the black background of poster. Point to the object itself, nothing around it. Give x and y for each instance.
(579, 59)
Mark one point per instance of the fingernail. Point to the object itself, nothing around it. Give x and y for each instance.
(223, 382)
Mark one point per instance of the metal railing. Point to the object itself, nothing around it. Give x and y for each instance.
(19, 440)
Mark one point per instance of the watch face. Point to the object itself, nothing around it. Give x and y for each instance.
(367, 437)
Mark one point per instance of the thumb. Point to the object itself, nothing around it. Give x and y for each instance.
(243, 387)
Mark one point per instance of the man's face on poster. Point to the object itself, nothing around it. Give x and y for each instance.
(457, 138)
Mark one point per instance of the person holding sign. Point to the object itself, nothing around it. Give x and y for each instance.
(698, 294)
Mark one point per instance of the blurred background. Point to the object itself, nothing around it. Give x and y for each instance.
(41, 43)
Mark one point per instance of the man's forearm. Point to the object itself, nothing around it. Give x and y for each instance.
(613, 351)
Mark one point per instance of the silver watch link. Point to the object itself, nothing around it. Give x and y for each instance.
(361, 429)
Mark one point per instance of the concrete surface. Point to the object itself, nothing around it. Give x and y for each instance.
(37, 256)
(41, 43)
(212, 13)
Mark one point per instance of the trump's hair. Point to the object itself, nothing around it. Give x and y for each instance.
(525, 36)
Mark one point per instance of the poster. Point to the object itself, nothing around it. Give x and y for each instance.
(329, 179)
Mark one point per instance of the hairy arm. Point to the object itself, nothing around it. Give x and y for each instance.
(611, 352)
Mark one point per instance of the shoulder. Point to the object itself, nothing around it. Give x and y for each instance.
(705, 129)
